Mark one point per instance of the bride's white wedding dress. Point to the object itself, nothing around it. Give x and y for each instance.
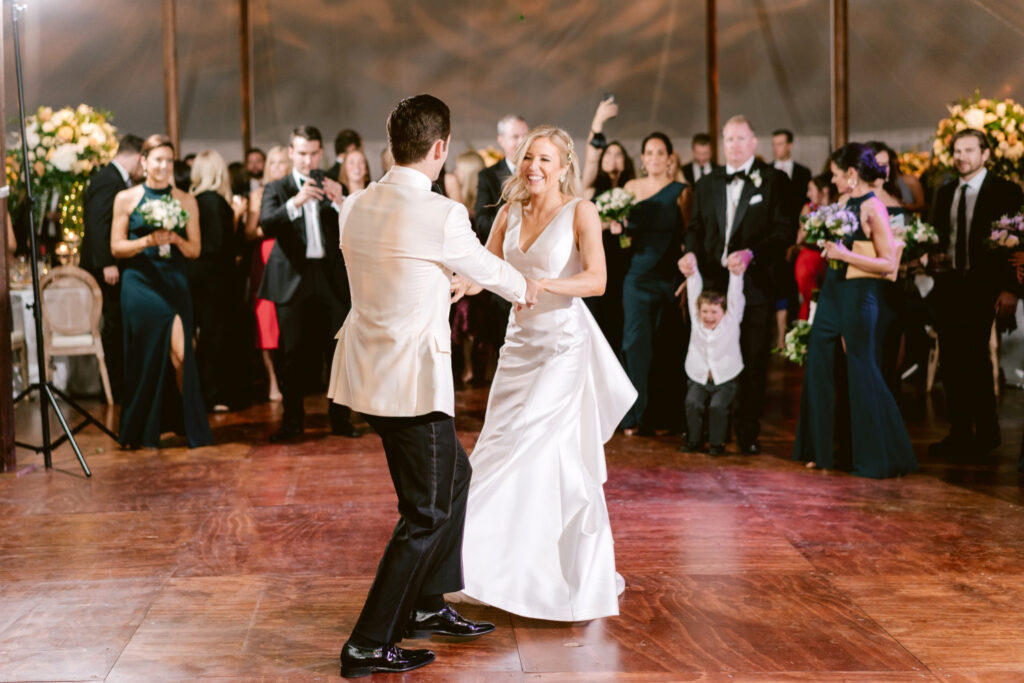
(537, 541)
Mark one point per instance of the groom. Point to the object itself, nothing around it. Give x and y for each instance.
(402, 243)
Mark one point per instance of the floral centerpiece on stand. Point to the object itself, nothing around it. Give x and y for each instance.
(64, 148)
(615, 205)
(167, 213)
(829, 223)
(1000, 120)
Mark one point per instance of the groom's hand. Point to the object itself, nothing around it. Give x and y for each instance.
(533, 290)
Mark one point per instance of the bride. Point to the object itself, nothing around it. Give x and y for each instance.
(538, 542)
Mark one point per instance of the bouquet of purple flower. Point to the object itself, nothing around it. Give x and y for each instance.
(1007, 232)
(829, 223)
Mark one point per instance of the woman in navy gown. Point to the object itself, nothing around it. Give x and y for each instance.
(650, 311)
(161, 385)
(848, 310)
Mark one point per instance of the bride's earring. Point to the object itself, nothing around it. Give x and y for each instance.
(561, 179)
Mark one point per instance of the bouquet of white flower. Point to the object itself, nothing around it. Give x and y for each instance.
(916, 236)
(795, 349)
(164, 213)
(829, 223)
(1007, 232)
(615, 205)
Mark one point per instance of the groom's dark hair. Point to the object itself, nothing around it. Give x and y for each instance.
(415, 124)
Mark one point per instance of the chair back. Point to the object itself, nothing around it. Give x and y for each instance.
(72, 302)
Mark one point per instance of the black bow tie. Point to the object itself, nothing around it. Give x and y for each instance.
(738, 175)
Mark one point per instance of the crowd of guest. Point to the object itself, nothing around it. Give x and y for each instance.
(250, 315)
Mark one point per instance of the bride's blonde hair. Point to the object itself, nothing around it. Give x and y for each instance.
(514, 189)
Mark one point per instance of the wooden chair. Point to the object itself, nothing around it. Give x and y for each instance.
(72, 305)
(18, 347)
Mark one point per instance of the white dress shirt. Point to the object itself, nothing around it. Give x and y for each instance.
(310, 211)
(124, 174)
(786, 167)
(700, 171)
(715, 353)
(732, 201)
(973, 186)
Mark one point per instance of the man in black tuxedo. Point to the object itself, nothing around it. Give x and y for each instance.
(700, 164)
(973, 284)
(305, 276)
(488, 312)
(739, 213)
(798, 175)
(98, 211)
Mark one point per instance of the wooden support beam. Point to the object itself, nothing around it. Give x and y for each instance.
(245, 46)
(840, 82)
(711, 42)
(171, 75)
(7, 459)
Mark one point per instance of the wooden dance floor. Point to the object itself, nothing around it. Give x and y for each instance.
(250, 561)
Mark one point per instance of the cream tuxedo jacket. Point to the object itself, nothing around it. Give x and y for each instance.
(401, 244)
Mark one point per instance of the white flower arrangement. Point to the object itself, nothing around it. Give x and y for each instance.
(830, 223)
(615, 205)
(164, 213)
(1000, 120)
(916, 235)
(755, 177)
(796, 340)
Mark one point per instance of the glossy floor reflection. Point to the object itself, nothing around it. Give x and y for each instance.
(249, 561)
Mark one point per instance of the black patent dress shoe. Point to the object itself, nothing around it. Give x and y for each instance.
(346, 430)
(357, 661)
(444, 622)
(286, 433)
(752, 448)
(950, 448)
(716, 449)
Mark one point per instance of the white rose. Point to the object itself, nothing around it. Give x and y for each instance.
(64, 157)
(47, 142)
(974, 118)
(78, 168)
(1001, 109)
(48, 126)
(32, 138)
(1012, 241)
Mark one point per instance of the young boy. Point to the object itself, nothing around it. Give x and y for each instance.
(713, 360)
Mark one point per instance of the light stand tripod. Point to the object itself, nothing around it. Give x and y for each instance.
(44, 386)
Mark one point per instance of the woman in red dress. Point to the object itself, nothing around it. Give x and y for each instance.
(278, 166)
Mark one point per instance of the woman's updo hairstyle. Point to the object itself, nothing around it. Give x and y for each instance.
(860, 157)
(156, 141)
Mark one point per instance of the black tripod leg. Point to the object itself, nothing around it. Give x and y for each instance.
(82, 411)
(67, 429)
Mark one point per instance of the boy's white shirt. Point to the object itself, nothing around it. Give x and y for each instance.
(715, 351)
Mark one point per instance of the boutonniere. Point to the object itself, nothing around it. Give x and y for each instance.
(755, 177)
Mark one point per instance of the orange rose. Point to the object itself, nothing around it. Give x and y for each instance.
(66, 133)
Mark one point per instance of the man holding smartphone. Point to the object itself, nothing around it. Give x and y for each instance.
(306, 277)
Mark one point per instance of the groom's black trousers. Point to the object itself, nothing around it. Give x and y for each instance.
(431, 474)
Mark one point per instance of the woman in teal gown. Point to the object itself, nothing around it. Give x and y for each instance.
(655, 226)
(161, 385)
(848, 309)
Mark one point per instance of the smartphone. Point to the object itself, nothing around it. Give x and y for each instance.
(317, 176)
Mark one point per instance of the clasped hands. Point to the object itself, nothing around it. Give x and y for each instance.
(461, 286)
(835, 251)
(737, 263)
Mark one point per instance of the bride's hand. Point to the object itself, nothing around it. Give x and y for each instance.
(615, 227)
(458, 287)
